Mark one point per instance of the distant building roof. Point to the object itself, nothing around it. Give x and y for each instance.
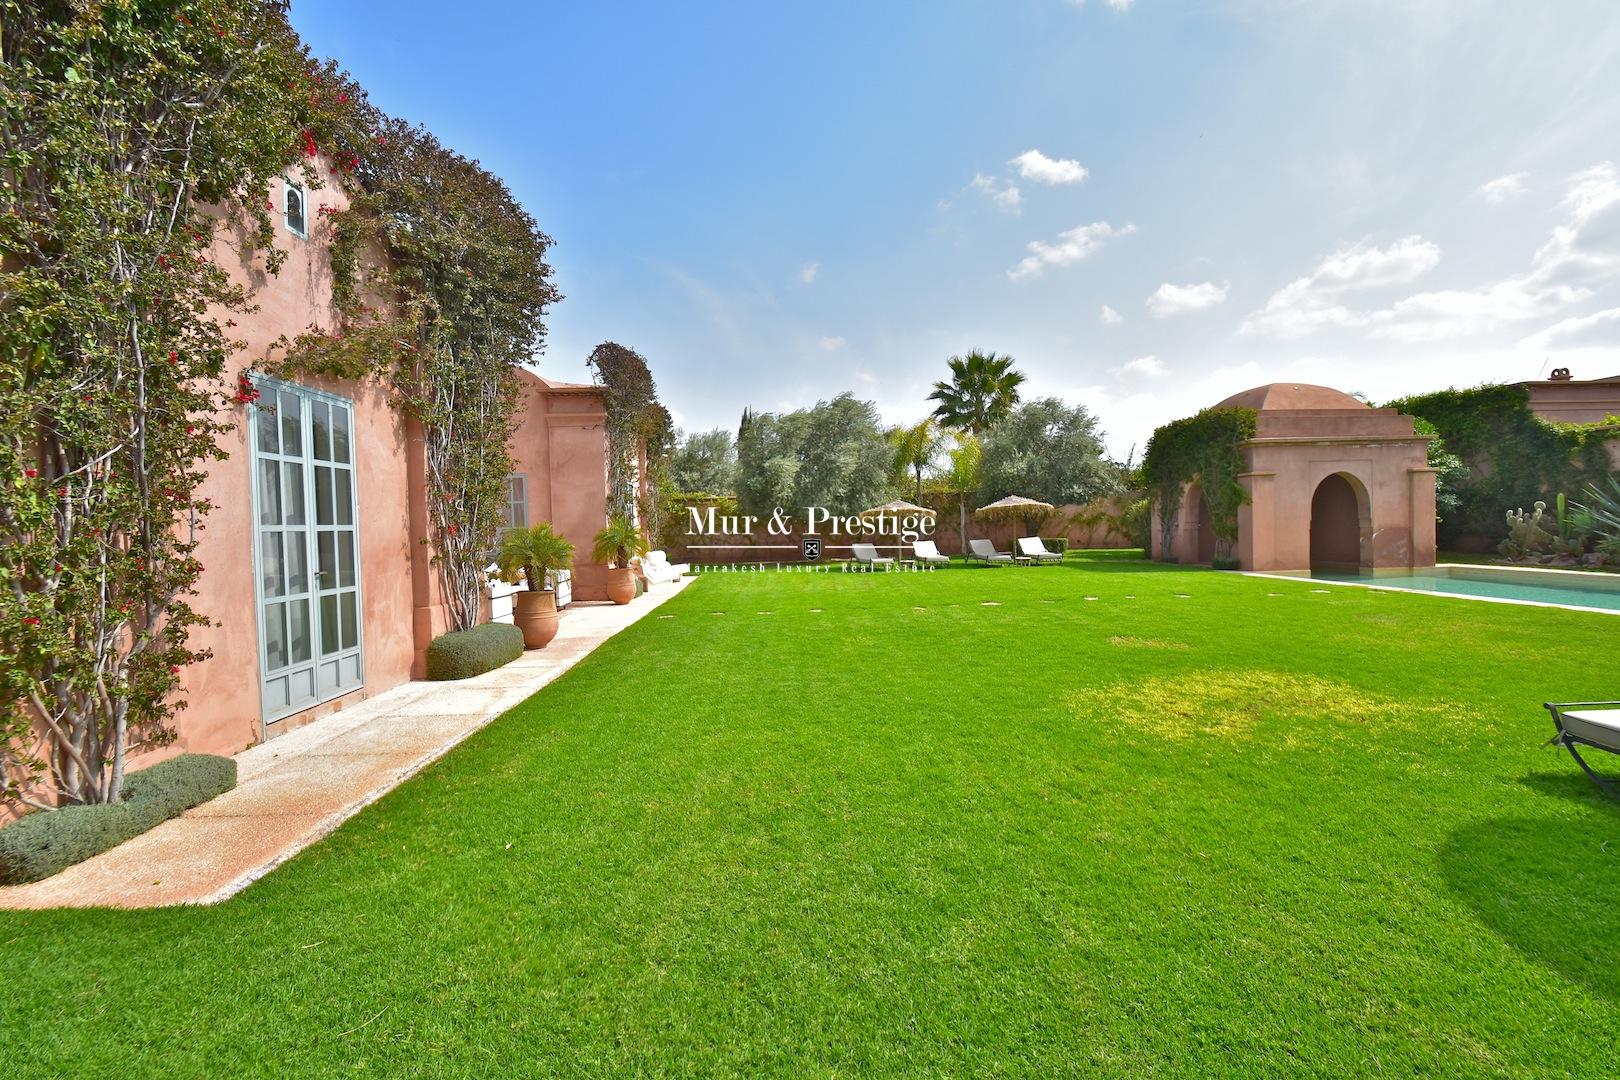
(1292, 397)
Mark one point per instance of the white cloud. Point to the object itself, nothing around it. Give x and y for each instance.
(1071, 247)
(1598, 330)
(866, 378)
(1146, 366)
(1036, 166)
(1310, 302)
(1170, 299)
(1006, 197)
(1498, 191)
(830, 344)
(1582, 254)
(1121, 6)
(808, 272)
(1110, 317)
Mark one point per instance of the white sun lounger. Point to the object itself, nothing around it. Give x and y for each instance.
(1030, 547)
(928, 552)
(867, 555)
(985, 551)
(1587, 723)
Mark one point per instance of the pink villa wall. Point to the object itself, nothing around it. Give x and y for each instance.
(560, 444)
(223, 711)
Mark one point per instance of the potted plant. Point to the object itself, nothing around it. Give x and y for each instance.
(534, 554)
(616, 545)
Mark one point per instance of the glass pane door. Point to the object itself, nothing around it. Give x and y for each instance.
(305, 549)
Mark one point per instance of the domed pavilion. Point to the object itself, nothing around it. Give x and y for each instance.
(1332, 483)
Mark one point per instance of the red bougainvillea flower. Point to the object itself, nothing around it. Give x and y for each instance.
(343, 99)
(451, 529)
(31, 620)
(309, 143)
(174, 669)
(30, 473)
(173, 356)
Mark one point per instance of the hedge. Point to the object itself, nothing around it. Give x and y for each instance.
(1514, 457)
(461, 654)
(1058, 544)
(50, 841)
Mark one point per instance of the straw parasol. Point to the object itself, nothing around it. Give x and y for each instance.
(1032, 512)
(898, 508)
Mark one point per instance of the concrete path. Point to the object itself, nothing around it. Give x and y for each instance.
(294, 790)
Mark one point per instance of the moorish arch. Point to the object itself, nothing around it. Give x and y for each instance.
(1341, 523)
(1329, 481)
(1195, 511)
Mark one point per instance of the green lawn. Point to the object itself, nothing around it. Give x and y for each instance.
(1130, 821)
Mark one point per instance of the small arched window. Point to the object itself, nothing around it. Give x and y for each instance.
(294, 206)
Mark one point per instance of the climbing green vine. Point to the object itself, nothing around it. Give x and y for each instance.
(1512, 456)
(130, 132)
(1205, 448)
(442, 283)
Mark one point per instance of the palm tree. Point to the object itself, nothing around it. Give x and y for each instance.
(533, 554)
(982, 391)
(914, 450)
(965, 476)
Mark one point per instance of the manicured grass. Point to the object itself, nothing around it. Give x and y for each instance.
(1131, 821)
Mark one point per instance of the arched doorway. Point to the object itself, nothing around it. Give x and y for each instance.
(1338, 517)
(1197, 511)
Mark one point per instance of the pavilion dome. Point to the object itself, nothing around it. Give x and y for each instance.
(1293, 397)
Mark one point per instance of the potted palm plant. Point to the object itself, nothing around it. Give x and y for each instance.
(616, 545)
(533, 555)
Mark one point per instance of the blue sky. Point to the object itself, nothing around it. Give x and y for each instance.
(775, 203)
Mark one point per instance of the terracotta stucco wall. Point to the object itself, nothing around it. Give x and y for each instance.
(222, 693)
(1293, 452)
(560, 445)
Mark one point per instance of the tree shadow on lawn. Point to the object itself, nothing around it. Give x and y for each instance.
(1549, 887)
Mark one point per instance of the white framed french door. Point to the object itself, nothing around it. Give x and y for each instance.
(306, 548)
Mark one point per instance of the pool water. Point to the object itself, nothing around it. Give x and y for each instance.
(1567, 587)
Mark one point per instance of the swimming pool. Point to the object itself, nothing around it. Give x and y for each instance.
(1516, 584)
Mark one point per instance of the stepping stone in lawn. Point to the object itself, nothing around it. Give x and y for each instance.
(764, 613)
(1091, 598)
(716, 613)
(1322, 590)
(991, 603)
(815, 611)
(666, 616)
(1273, 594)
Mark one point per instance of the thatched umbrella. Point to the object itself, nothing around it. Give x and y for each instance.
(1032, 512)
(898, 508)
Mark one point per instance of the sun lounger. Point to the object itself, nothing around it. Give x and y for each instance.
(985, 551)
(657, 569)
(928, 552)
(1587, 723)
(1030, 547)
(866, 555)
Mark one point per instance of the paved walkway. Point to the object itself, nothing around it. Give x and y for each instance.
(295, 789)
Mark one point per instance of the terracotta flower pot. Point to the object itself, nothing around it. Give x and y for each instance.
(535, 613)
(621, 585)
